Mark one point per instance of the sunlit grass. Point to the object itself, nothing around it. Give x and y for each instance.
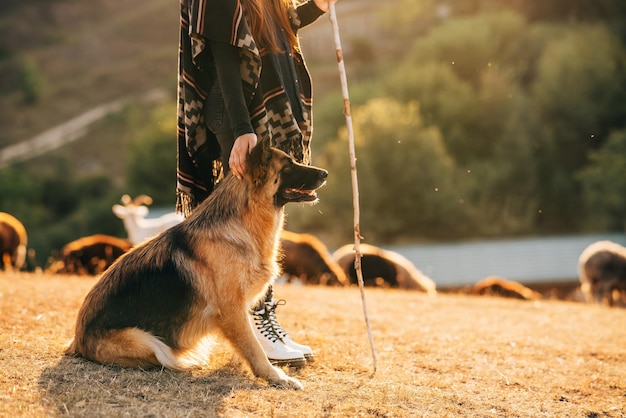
(449, 355)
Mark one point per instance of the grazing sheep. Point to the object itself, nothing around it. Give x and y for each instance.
(602, 273)
(383, 268)
(89, 255)
(133, 213)
(305, 257)
(498, 286)
(13, 241)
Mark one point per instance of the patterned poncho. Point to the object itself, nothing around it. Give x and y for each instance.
(198, 156)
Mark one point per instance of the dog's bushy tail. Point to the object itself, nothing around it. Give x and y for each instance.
(135, 343)
(71, 349)
(128, 347)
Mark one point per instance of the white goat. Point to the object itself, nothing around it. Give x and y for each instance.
(133, 213)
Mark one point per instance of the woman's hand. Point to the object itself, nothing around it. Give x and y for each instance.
(241, 148)
(323, 5)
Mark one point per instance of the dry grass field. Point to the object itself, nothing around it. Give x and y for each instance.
(444, 356)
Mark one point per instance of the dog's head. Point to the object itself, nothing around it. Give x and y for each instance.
(274, 172)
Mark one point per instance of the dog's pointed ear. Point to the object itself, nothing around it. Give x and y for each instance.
(265, 148)
(259, 157)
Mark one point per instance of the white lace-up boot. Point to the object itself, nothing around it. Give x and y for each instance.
(278, 353)
(282, 334)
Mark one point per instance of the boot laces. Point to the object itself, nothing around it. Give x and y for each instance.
(271, 313)
(263, 322)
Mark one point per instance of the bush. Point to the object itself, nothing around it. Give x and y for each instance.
(579, 95)
(604, 185)
(31, 82)
(152, 156)
(405, 175)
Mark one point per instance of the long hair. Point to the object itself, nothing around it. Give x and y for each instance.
(265, 17)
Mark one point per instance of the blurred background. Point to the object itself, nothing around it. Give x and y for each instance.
(474, 119)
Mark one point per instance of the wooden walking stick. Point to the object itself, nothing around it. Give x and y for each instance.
(355, 185)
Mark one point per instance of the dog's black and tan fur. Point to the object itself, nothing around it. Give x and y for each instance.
(159, 302)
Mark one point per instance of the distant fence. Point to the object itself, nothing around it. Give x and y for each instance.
(549, 259)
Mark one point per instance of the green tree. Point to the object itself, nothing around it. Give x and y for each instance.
(604, 185)
(466, 75)
(31, 82)
(406, 177)
(59, 207)
(152, 157)
(579, 95)
(472, 45)
(20, 193)
(519, 107)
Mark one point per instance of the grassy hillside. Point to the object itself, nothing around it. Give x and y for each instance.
(80, 55)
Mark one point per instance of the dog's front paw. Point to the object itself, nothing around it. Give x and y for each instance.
(288, 383)
(284, 381)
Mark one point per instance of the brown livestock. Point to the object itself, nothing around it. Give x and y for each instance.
(305, 257)
(498, 286)
(383, 268)
(13, 241)
(602, 273)
(89, 255)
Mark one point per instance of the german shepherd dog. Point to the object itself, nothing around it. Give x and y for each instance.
(159, 304)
